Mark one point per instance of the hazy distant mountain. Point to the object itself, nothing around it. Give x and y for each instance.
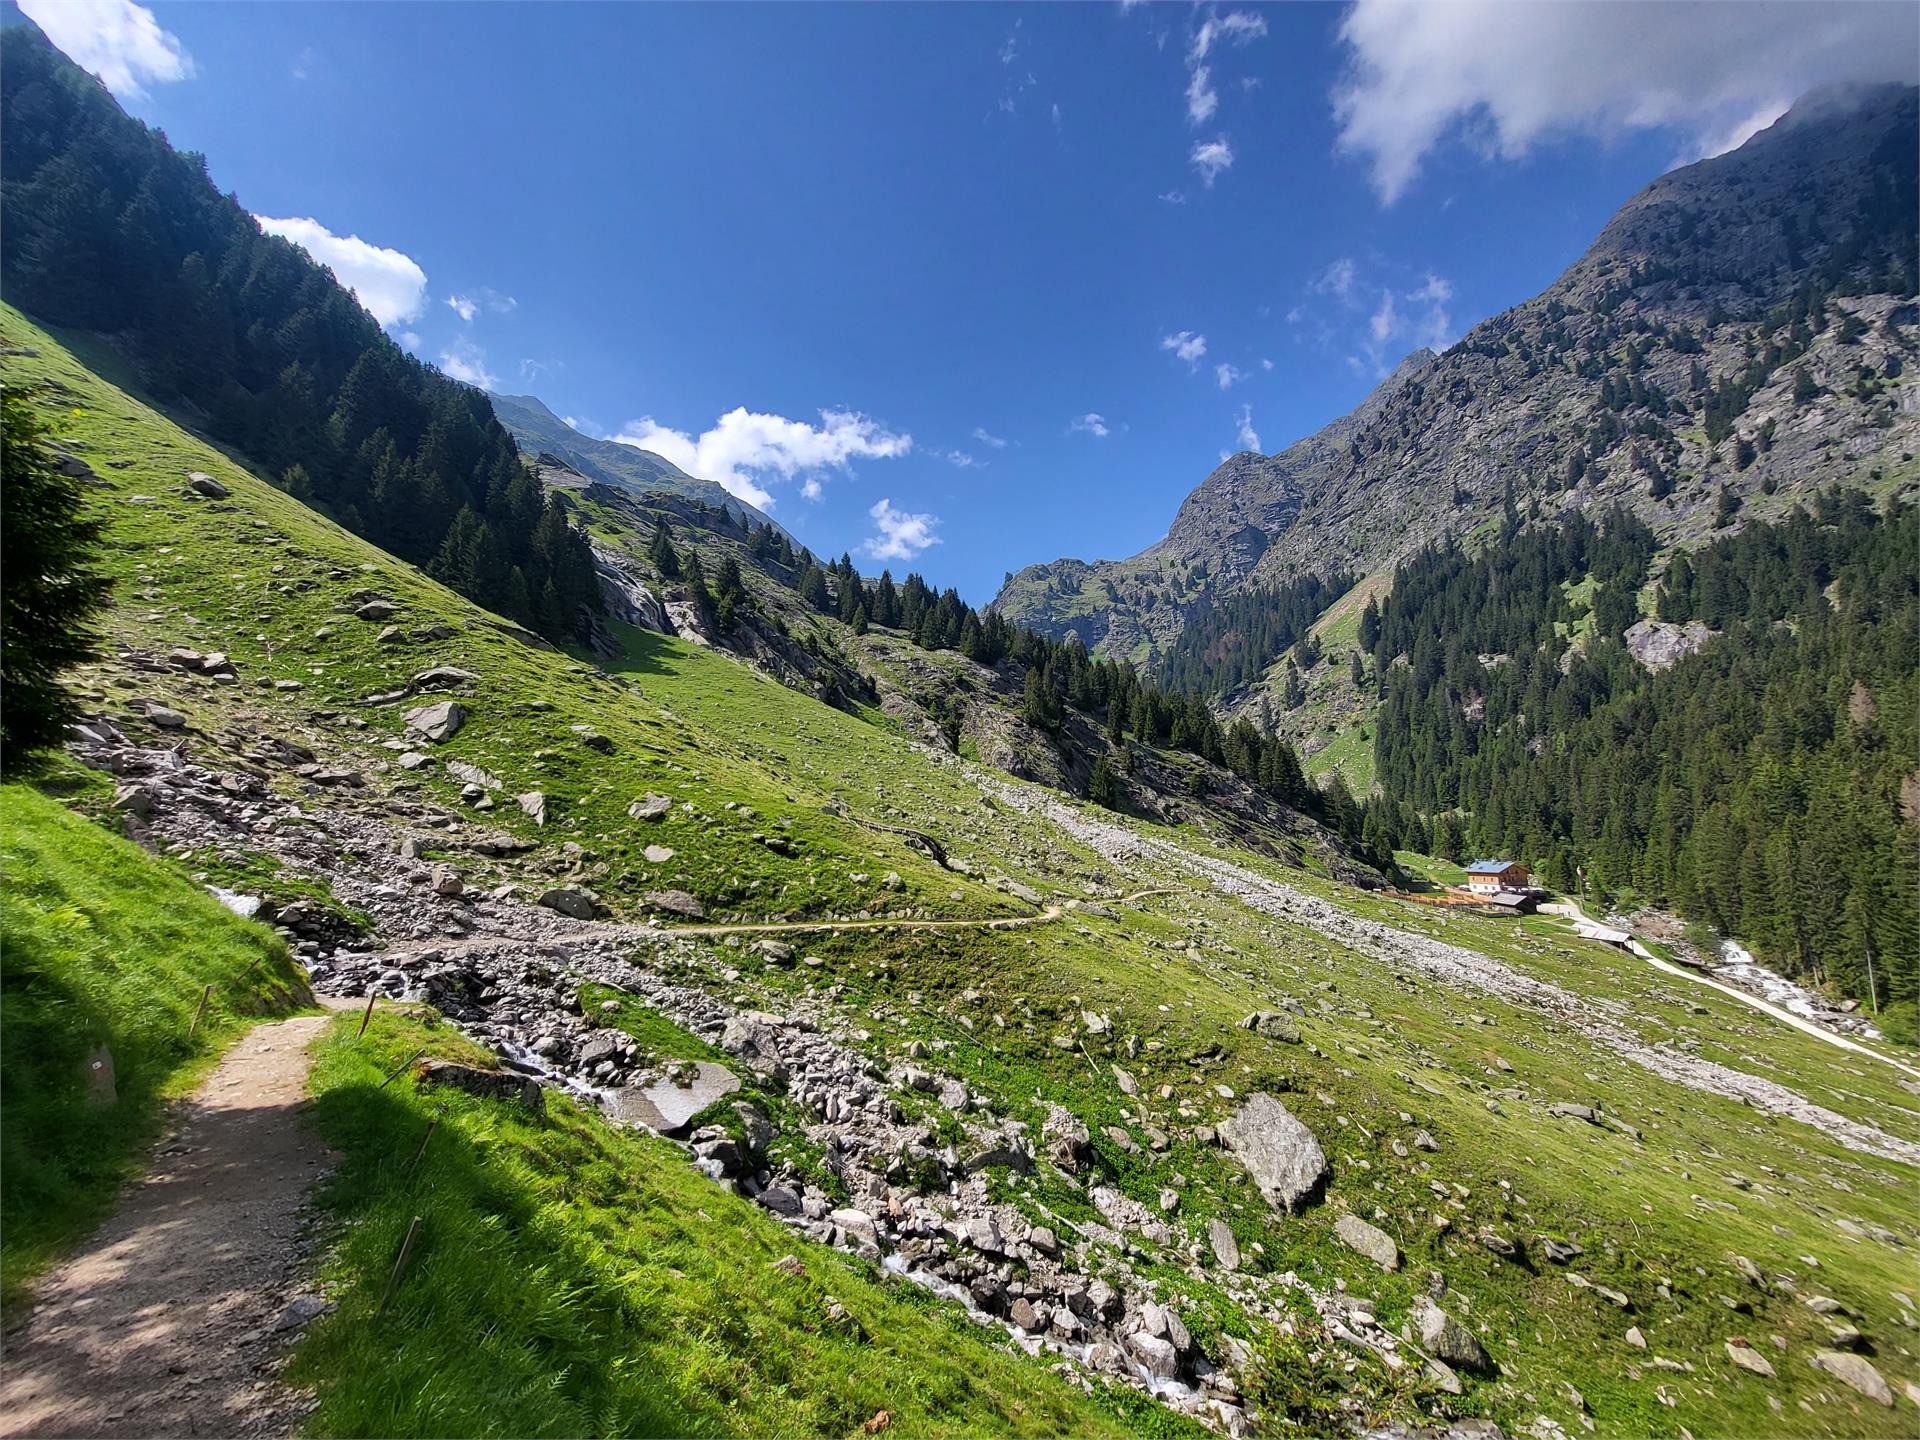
(536, 428)
(1727, 327)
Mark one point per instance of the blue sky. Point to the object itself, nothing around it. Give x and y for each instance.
(957, 288)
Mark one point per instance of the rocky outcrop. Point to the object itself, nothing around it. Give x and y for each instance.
(1280, 1153)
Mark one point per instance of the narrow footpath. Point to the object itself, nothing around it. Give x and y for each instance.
(164, 1322)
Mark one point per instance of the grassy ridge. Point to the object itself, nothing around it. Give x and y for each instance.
(571, 1279)
(105, 947)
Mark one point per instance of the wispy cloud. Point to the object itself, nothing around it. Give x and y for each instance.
(115, 39)
(1210, 157)
(960, 459)
(1187, 345)
(898, 534)
(1249, 437)
(1228, 375)
(465, 361)
(744, 448)
(390, 284)
(302, 64)
(1092, 423)
(980, 434)
(485, 298)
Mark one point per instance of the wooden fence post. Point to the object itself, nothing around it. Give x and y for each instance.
(414, 1164)
(364, 1019)
(194, 1028)
(401, 1066)
(393, 1280)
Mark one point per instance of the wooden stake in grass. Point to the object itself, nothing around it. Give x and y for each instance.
(368, 1015)
(401, 1066)
(205, 995)
(414, 1164)
(393, 1280)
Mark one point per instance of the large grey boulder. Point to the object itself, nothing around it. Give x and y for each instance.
(568, 901)
(1274, 1024)
(1368, 1240)
(1226, 1249)
(439, 721)
(202, 483)
(488, 1084)
(678, 902)
(669, 1104)
(1855, 1371)
(1279, 1152)
(1442, 1335)
(650, 807)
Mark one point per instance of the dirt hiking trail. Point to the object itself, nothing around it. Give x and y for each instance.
(164, 1321)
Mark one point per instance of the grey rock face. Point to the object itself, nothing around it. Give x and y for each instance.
(439, 721)
(1368, 1240)
(488, 1084)
(1446, 1337)
(668, 1104)
(1280, 1153)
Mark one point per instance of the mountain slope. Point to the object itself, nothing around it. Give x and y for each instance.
(1737, 324)
(1011, 1114)
(537, 430)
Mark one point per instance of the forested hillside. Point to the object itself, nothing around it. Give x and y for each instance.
(1764, 783)
(108, 229)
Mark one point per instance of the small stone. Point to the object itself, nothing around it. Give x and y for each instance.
(1368, 1240)
(440, 721)
(657, 854)
(533, 805)
(1748, 1358)
(650, 807)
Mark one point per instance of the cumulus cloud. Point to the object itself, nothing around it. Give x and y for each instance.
(811, 489)
(465, 361)
(1249, 437)
(391, 285)
(743, 445)
(115, 39)
(1187, 345)
(898, 535)
(1092, 423)
(1227, 375)
(1505, 77)
(980, 434)
(1210, 157)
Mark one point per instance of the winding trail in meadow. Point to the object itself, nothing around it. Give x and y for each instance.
(164, 1321)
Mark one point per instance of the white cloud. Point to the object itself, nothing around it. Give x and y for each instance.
(1187, 345)
(485, 298)
(410, 339)
(962, 460)
(1092, 423)
(897, 534)
(1249, 437)
(1385, 320)
(1337, 279)
(391, 285)
(980, 434)
(742, 445)
(465, 361)
(1173, 197)
(810, 489)
(1266, 364)
(1202, 99)
(303, 64)
(583, 425)
(1241, 27)
(1227, 375)
(115, 39)
(1506, 77)
(1210, 157)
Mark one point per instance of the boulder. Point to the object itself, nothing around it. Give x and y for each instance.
(1368, 1240)
(658, 854)
(1274, 1024)
(1069, 1145)
(569, 901)
(378, 611)
(1278, 1151)
(533, 805)
(776, 952)
(1748, 1358)
(1156, 1356)
(1855, 1371)
(165, 716)
(1445, 1337)
(488, 1084)
(442, 677)
(1226, 1249)
(202, 483)
(678, 902)
(650, 807)
(669, 1104)
(439, 721)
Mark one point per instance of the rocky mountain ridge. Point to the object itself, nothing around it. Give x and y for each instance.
(1743, 322)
